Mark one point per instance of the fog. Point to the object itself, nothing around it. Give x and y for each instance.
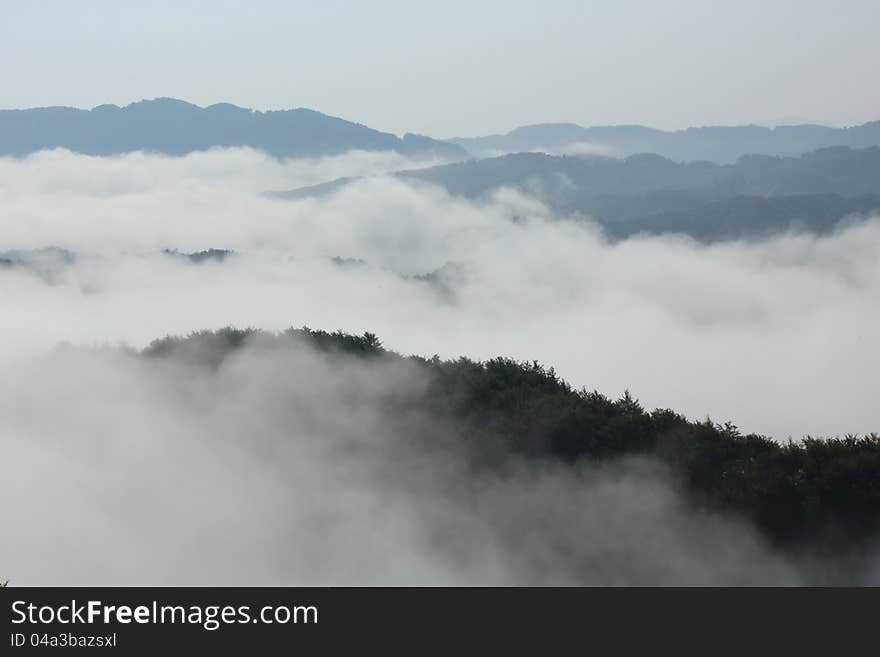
(775, 336)
(283, 468)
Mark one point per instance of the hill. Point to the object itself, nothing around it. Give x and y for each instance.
(756, 196)
(175, 127)
(721, 144)
(815, 496)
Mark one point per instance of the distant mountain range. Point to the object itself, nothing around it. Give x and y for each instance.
(751, 217)
(721, 144)
(710, 183)
(757, 195)
(175, 127)
(569, 182)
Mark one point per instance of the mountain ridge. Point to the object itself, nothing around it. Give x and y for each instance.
(720, 144)
(755, 196)
(176, 127)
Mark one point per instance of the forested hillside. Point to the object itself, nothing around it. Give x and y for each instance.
(175, 127)
(812, 495)
(753, 198)
(722, 144)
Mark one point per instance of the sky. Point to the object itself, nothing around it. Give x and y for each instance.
(456, 68)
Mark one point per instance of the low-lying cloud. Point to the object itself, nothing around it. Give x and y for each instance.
(285, 468)
(776, 336)
(124, 472)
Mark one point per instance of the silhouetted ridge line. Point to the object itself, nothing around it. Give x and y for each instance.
(175, 127)
(722, 144)
(755, 197)
(815, 494)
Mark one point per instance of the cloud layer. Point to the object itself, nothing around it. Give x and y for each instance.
(286, 469)
(775, 335)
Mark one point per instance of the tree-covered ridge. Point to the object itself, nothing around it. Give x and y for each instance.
(715, 143)
(175, 127)
(574, 183)
(752, 198)
(750, 217)
(808, 495)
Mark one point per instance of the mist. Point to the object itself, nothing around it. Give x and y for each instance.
(282, 468)
(286, 468)
(774, 335)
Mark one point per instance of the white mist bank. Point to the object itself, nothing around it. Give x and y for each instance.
(286, 468)
(777, 336)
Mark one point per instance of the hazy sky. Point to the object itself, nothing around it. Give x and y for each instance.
(456, 68)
